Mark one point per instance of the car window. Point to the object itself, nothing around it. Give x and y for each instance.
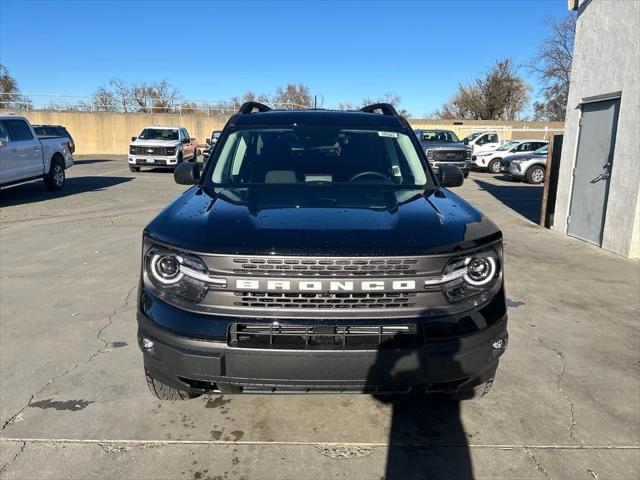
(159, 134)
(492, 138)
(438, 136)
(318, 155)
(4, 134)
(18, 130)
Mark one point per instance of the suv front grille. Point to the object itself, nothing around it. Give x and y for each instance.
(325, 266)
(325, 300)
(154, 150)
(326, 337)
(449, 155)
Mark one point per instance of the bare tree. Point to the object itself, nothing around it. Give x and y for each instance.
(102, 100)
(293, 97)
(163, 96)
(553, 66)
(390, 98)
(501, 94)
(122, 93)
(10, 96)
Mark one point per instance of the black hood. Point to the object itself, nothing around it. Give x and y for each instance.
(321, 221)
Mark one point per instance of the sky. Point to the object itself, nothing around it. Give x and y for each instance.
(344, 51)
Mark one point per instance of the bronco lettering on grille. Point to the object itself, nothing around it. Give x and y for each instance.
(326, 286)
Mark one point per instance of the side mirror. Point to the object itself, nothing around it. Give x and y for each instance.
(208, 141)
(465, 141)
(187, 173)
(449, 176)
(185, 140)
(133, 139)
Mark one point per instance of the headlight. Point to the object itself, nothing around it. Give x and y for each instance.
(171, 150)
(178, 277)
(468, 276)
(132, 149)
(429, 154)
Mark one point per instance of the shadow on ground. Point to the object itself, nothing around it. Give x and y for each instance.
(524, 199)
(426, 437)
(36, 192)
(87, 161)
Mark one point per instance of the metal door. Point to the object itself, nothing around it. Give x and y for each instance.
(592, 172)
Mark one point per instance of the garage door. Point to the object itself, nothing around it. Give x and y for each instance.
(592, 172)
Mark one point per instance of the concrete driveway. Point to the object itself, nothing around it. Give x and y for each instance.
(74, 404)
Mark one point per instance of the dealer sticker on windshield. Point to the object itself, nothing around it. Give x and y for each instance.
(388, 134)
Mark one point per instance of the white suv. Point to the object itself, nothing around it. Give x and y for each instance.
(491, 161)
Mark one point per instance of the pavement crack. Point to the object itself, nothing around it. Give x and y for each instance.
(16, 417)
(109, 322)
(539, 466)
(15, 457)
(563, 367)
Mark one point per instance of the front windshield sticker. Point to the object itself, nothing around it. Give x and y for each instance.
(388, 134)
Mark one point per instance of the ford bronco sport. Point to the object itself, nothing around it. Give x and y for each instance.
(318, 252)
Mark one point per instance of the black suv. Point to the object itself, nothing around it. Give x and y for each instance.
(316, 252)
(55, 131)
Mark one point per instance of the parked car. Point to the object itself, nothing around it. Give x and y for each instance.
(320, 252)
(528, 166)
(55, 131)
(481, 142)
(443, 147)
(491, 161)
(158, 146)
(211, 143)
(26, 156)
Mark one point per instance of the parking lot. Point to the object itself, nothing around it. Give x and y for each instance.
(74, 403)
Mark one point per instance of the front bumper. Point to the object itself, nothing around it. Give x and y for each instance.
(153, 160)
(201, 365)
(464, 166)
(514, 170)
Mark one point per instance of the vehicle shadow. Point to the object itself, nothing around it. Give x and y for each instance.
(36, 192)
(426, 437)
(87, 161)
(524, 199)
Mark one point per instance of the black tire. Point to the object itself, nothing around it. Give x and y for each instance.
(179, 158)
(494, 166)
(164, 392)
(466, 173)
(476, 392)
(535, 175)
(134, 169)
(54, 180)
(195, 155)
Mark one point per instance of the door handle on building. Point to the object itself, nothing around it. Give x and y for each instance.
(602, 176)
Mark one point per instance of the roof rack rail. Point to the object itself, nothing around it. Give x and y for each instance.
(383, 108)
(249, 107)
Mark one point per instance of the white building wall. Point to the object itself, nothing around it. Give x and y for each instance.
(606, 60)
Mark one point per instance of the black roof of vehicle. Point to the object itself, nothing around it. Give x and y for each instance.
(318, 117)
(388, 117)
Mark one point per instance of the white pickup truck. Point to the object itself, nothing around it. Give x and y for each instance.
(481, 142)
(25, 156)
(161, 146)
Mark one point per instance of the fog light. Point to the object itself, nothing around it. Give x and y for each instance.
(148, 344)
(499, 344)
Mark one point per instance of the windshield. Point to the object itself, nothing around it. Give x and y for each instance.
(541, 150)
(318, 155)
(159, 134)
(472, 136)
(438, 136)
(507, 146)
